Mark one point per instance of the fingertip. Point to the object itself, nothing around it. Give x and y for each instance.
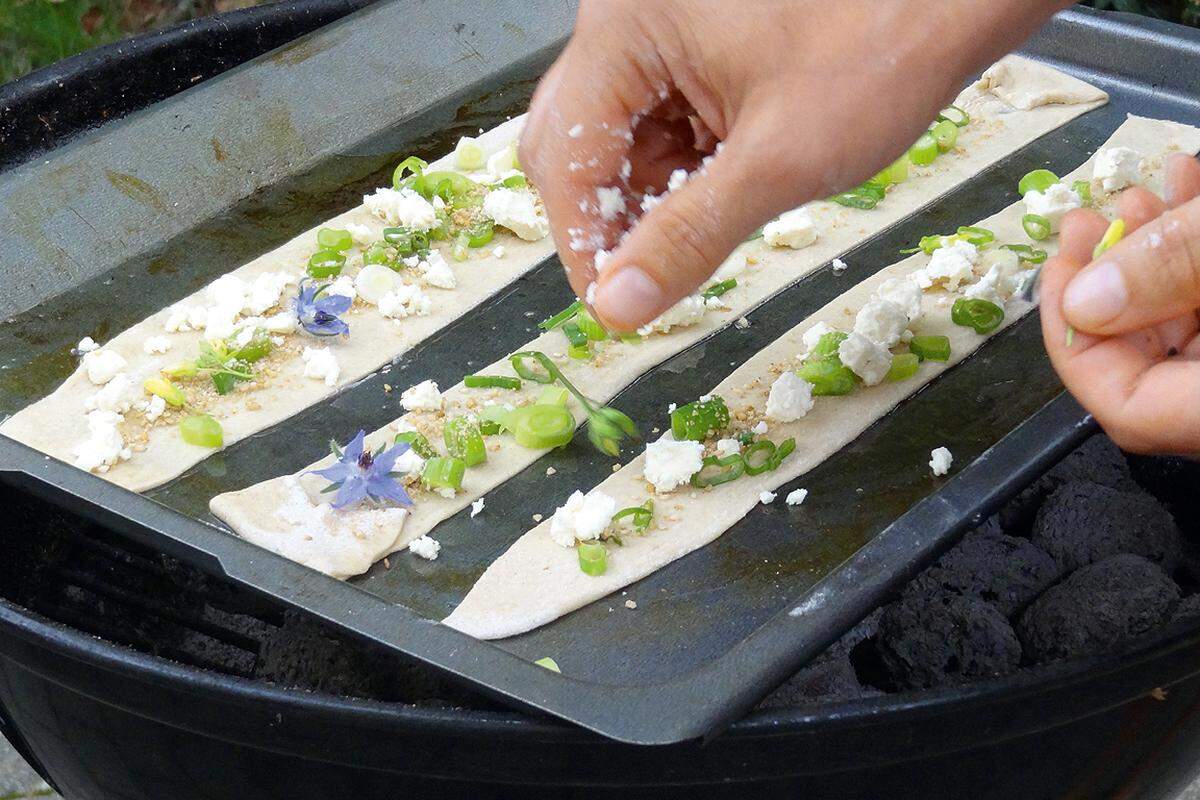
(627, 297)
(1081, 231)
(1137, 206)
(1183, 179)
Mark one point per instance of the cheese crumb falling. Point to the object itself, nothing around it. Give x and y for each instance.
(940, 460)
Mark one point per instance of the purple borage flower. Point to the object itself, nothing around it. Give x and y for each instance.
(318, 312)
(360, 474)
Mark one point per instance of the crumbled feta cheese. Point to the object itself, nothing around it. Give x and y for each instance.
(905, 294)
(517, 210)
(583, 518)
(265, 291)
(677, 180)
(402, 207)
(796, 497)
(952, 264)
(362, 234)
(498, 251)
(576, 130)
(436, 272)
(650, 201)
(610, 201)
(425, 547)
(155, 408)
(422, 397)
(601, 259)
(476, 508)
(728, 447)
(1117, 167)
(741, 323)
(940, 460)
(177, 320)
(410, 463)
(446, 492)
(790, 398)
(839, 266)
(766, 498)
(152, 345)
(687, 311)
(670, 464)
(283, 322)
(227, 290)
(343, 285)
(589, 294)
(321, 364)
(221, 322)
(794, 229)
(881, 321)
(104, 445)
(813, 335)
(117, 395)
(86, 345)
(1053, 204)
(760, 428)
(406, 300)
(865, 358)
(1001, 280)
(103, 365)
(374, 281)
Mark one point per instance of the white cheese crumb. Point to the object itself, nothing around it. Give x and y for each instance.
(283, 322)
(583, 518)
(117, 395)
(104, 445)
(422, 397)
(402, 207)
(670, 464)
(517, 210)
(687, 311)
(425, 547)
(476, 508)
(796, 497)
(940, 460)
(1117, 167)
(103, 365)
(362, 235)
(839, 266)
(576, 130)
(344, 286)
(761, 428)
(813, 335)
(435, 271)
(741, 323)
(498, 251)
(881, 321)
(952, 264)
(155, 408)
(790, 398)
(766, 498)
(321, 364)
(1053, 204)
(86, 345)
(601, 259)
(677, 180)
(406, 300)
(794, 229)
(865, 358)
(610, 202)
(728, 447)
(905, 294)
(155, 344)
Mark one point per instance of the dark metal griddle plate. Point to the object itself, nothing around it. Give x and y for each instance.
(279, 144)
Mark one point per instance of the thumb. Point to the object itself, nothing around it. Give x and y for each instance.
(679, 243)
(1151, 276)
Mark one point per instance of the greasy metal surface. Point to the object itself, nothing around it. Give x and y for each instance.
(711, 632)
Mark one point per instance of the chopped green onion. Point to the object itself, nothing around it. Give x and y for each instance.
(729, 468)
(444, 473)
(464, 440)
(468, 155)
(509, 161)
(1084, 190)
(1114, 234)
(259, 346)
(488, 427)
(530, 373)
(549, 663)
(829, 377)
(411, 164)
(945, 133)
(1037, 226)
(334, 239)
(459, 252)
(975, 235)
(377, 253)
(896, 172)
(930, 348)
(580, 352)
(924, 151)
(593, 558)
(561, 317)
(606, 427)
(759, 457)
(493, 419)
(956, 115)
(168, 391)
(699, 420)
(1027, 252)
(641, 515)
(202, 431)
(904, 366)
(541, 427)
(928, 244)
(481, 234)
(718, 289)
(552, 396)
(592, 329)
(785, 449)
(828, 345)
(491, 382)
(326, 263)
(1037, 181)
(865, 196)
(417, 442)
(983, 316)
(574, 335)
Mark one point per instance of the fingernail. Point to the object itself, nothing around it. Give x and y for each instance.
(1096, 296)
(629, 298)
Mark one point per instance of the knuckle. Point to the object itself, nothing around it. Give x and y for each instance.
(684, 244)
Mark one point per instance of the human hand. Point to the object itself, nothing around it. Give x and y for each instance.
(1134, 360)
(807, 97)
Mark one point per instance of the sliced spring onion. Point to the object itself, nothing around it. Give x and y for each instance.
(481, 234)
(463, 440)
(530, 373)
(983, 316)
(924, 151)
(469, 155)
(508, 161)
(904, 366)
(1027, 252)
(202, 431)
(491, 382)
(592, 329)
(558, 319)
(896, 172)
(593, 558)
(1037, 226)
(1037, 181)
(549, 663)
(716, 471)
(326, 263)
(1084, 190)
(828, 345)
(865, 196)
(259, 347)
(541, 427)
(444, 473)
(417, 441)
(515, 182)
(377, 254)
(574, 335)
(759, 457)
(718, 289)
(641, 516)
(411, 164)
(956, 115)
(460, 252)
(699, 420)
(928, 244)
(1114, 234)
(488, 427)
(930, 348)
(829, 377)
(334, 239)
(975, 235)
(945, 133)
(492, 420)
(580, 352)
(552, 396)
(785, 449)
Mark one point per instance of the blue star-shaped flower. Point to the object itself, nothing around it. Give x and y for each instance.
(318, 312)
(360, 474)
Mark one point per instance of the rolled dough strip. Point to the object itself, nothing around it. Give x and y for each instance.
(57, 423)
(996, 130)
(536, 581)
